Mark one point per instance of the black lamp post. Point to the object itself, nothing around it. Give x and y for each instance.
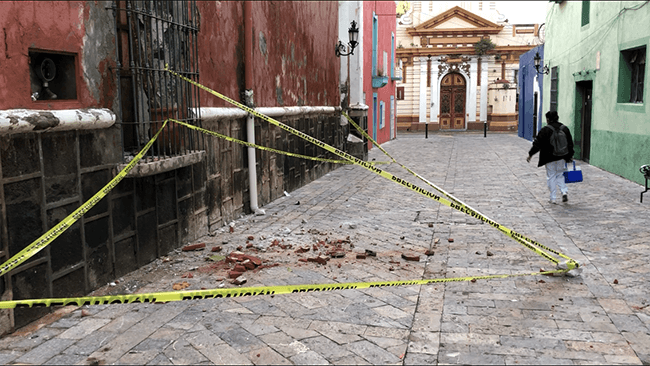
(538, 60)
(353, 34)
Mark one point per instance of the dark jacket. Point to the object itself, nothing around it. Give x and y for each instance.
(542, 144)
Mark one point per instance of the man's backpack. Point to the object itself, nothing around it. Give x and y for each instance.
(559, 141)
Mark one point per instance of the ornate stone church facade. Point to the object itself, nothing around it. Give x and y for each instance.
(446, 84)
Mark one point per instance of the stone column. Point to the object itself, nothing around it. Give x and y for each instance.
(484, 89)
(473, 85)
(423, 90)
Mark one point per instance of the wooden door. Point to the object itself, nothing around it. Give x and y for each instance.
(452, 102)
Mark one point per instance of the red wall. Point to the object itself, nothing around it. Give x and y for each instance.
(293, 52)
(293, 57)
(387, 24)
(51, 26)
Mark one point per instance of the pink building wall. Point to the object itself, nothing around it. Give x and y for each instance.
(386, 26)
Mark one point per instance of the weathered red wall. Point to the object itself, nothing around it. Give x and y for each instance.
(54, 26)
(293, 52)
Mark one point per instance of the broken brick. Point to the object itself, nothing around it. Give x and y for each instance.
(256, 261)
(336, 253)
(303, 260)
(249, 245)
(451, 240)
(275, 242)
(232, 229)
(371, 253)
(319, 260)
(411, 257)
(429, 252)
(234, 274)
(361, 256)
(239, 268)
(216, 249)
(187, 275)
(238, 281)
(240, 248)
(302, 250)
(191, 247)
(248, 264)
(251, 238)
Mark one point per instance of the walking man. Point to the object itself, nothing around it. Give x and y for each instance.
(555, 146)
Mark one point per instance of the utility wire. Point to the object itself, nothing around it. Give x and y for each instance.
(609, 24)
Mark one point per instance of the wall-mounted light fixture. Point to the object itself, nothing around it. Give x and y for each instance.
(538, 60)
(353, 34)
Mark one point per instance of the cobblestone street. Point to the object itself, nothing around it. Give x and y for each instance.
(600, 316)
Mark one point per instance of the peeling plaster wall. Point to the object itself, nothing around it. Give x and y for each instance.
(293, 52)
(81, 28)
(46, 175)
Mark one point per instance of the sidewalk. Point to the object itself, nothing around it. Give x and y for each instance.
(599, 317)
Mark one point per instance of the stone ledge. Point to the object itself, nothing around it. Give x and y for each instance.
(162, 165)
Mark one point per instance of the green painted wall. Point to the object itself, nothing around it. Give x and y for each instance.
(620, 132)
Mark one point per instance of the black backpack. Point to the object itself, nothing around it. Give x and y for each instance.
(559, 141)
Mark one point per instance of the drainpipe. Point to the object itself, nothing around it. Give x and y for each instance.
(248, 100)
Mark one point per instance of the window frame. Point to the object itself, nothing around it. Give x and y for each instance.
(555, 84)
(632, 74)
(585, 13)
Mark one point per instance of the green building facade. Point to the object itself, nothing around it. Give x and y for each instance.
(596, 57)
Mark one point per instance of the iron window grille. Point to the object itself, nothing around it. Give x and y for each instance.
(149, 36)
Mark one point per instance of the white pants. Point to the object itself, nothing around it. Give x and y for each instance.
(555, 177)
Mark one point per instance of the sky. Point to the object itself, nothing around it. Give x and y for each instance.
(523, 12)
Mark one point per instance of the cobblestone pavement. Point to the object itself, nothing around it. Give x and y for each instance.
(599, 317)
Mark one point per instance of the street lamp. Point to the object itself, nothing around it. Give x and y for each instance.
(538, 60)
(353, 34)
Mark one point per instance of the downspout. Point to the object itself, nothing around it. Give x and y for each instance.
(249, 101)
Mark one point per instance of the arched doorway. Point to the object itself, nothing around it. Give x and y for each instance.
(452, 102)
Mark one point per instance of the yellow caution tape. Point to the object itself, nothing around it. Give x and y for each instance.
(463, 206)
(456, 205)
(228, 138)
(163, 297)
(58, 229)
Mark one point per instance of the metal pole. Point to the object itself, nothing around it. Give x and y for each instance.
(485, 129)
(426, 130)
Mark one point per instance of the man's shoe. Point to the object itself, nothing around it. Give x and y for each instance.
(553, 202)
(565, 198)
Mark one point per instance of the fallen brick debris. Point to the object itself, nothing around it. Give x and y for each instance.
(216, 249)
(336, 253)
(192, 247)
(411, 257)
(429, 252)
(320, 260)
(238, 281)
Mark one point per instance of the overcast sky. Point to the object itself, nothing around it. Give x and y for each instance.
(523, 12)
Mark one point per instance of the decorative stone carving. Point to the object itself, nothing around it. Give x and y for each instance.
(445, 66)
